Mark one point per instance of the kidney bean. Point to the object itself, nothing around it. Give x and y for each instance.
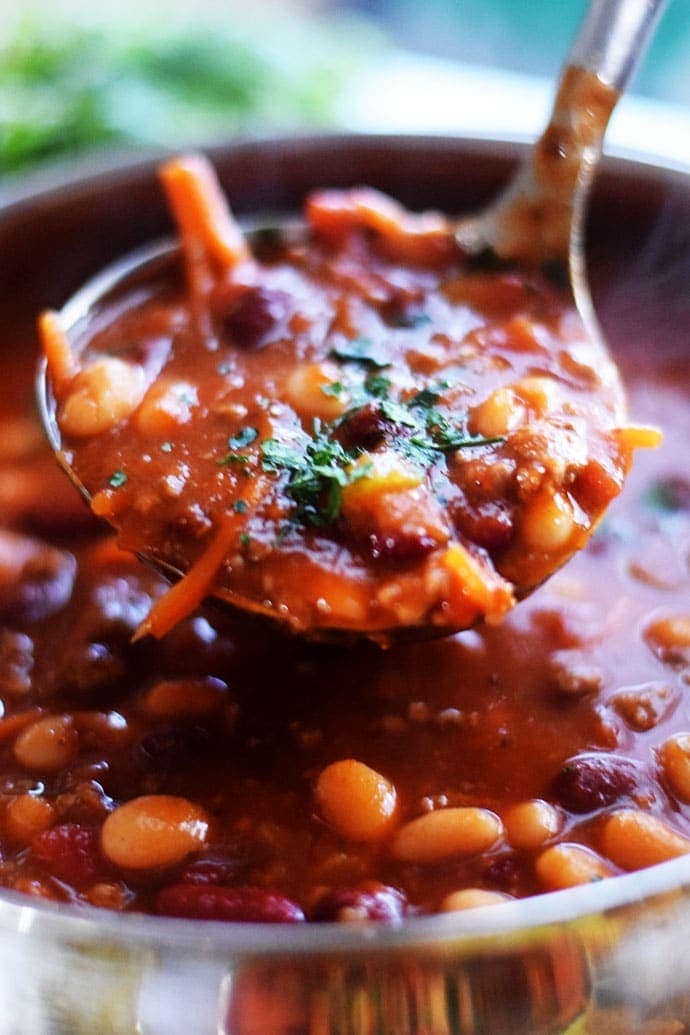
(405, 545)
(239, 905)
(70, 851)
(589, 782)
(502, 870)
(210, 871)
(36, 580)
(365, 428)
(489, 523)
(369, 900)
(172, 747)
(16, 662)
(255, 315)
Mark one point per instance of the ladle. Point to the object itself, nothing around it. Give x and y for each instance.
(538, 219)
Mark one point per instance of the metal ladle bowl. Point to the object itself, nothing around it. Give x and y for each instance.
(538, 219)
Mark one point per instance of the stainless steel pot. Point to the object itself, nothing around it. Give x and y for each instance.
(610, 956)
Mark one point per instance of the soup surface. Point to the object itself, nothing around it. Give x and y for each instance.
(231, 772)
(350, 428)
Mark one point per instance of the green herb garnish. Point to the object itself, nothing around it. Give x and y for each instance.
(245, 539)
(318, 471)
(117, 479)
(240, 459)
(378, 386)
(427, 397)
(276, 456)
(397, 413)
(334, 390)
(363, 351)
(240, 506)
(317, 476)
(243, 438)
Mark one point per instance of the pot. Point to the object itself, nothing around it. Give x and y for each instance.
(612, 953)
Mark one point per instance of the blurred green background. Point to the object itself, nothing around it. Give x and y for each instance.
(74, 77)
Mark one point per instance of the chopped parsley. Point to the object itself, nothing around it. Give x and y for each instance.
(398, 413)
(117, 479)
(245, 539)
(317, 476)
(362, 351)
(276, 456)
(240, 506)
(334, 390)
(238, 459)
(378, 386)
(427, 397)
(318, 470)
(436, 434)
(243, 438)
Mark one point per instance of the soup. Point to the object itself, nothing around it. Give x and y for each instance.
(231, 772)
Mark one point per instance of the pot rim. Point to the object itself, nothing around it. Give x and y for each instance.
(454, 932)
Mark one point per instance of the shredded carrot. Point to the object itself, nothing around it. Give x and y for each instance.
(639, 436)
(62, 363)
(182, 598)
(424, 237)
(201, 210)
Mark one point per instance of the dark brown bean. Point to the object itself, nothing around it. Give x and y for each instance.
(367, 901)
(240, 905)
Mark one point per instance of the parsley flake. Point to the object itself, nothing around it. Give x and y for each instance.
(243, 438)
(117, 479)
(397, 413)
(316, 476)
(429, 396)
(362, 351)
(245, 539)
(378, 386)
(240, 506)
(334, 389)
(239, 459)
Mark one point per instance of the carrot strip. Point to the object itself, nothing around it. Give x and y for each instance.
(186, 595)
(424, 237)
(62, 363)
(201, 210)
(637, 436)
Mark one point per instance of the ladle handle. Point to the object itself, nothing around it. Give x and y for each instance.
(539, 218)
(613, 37)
